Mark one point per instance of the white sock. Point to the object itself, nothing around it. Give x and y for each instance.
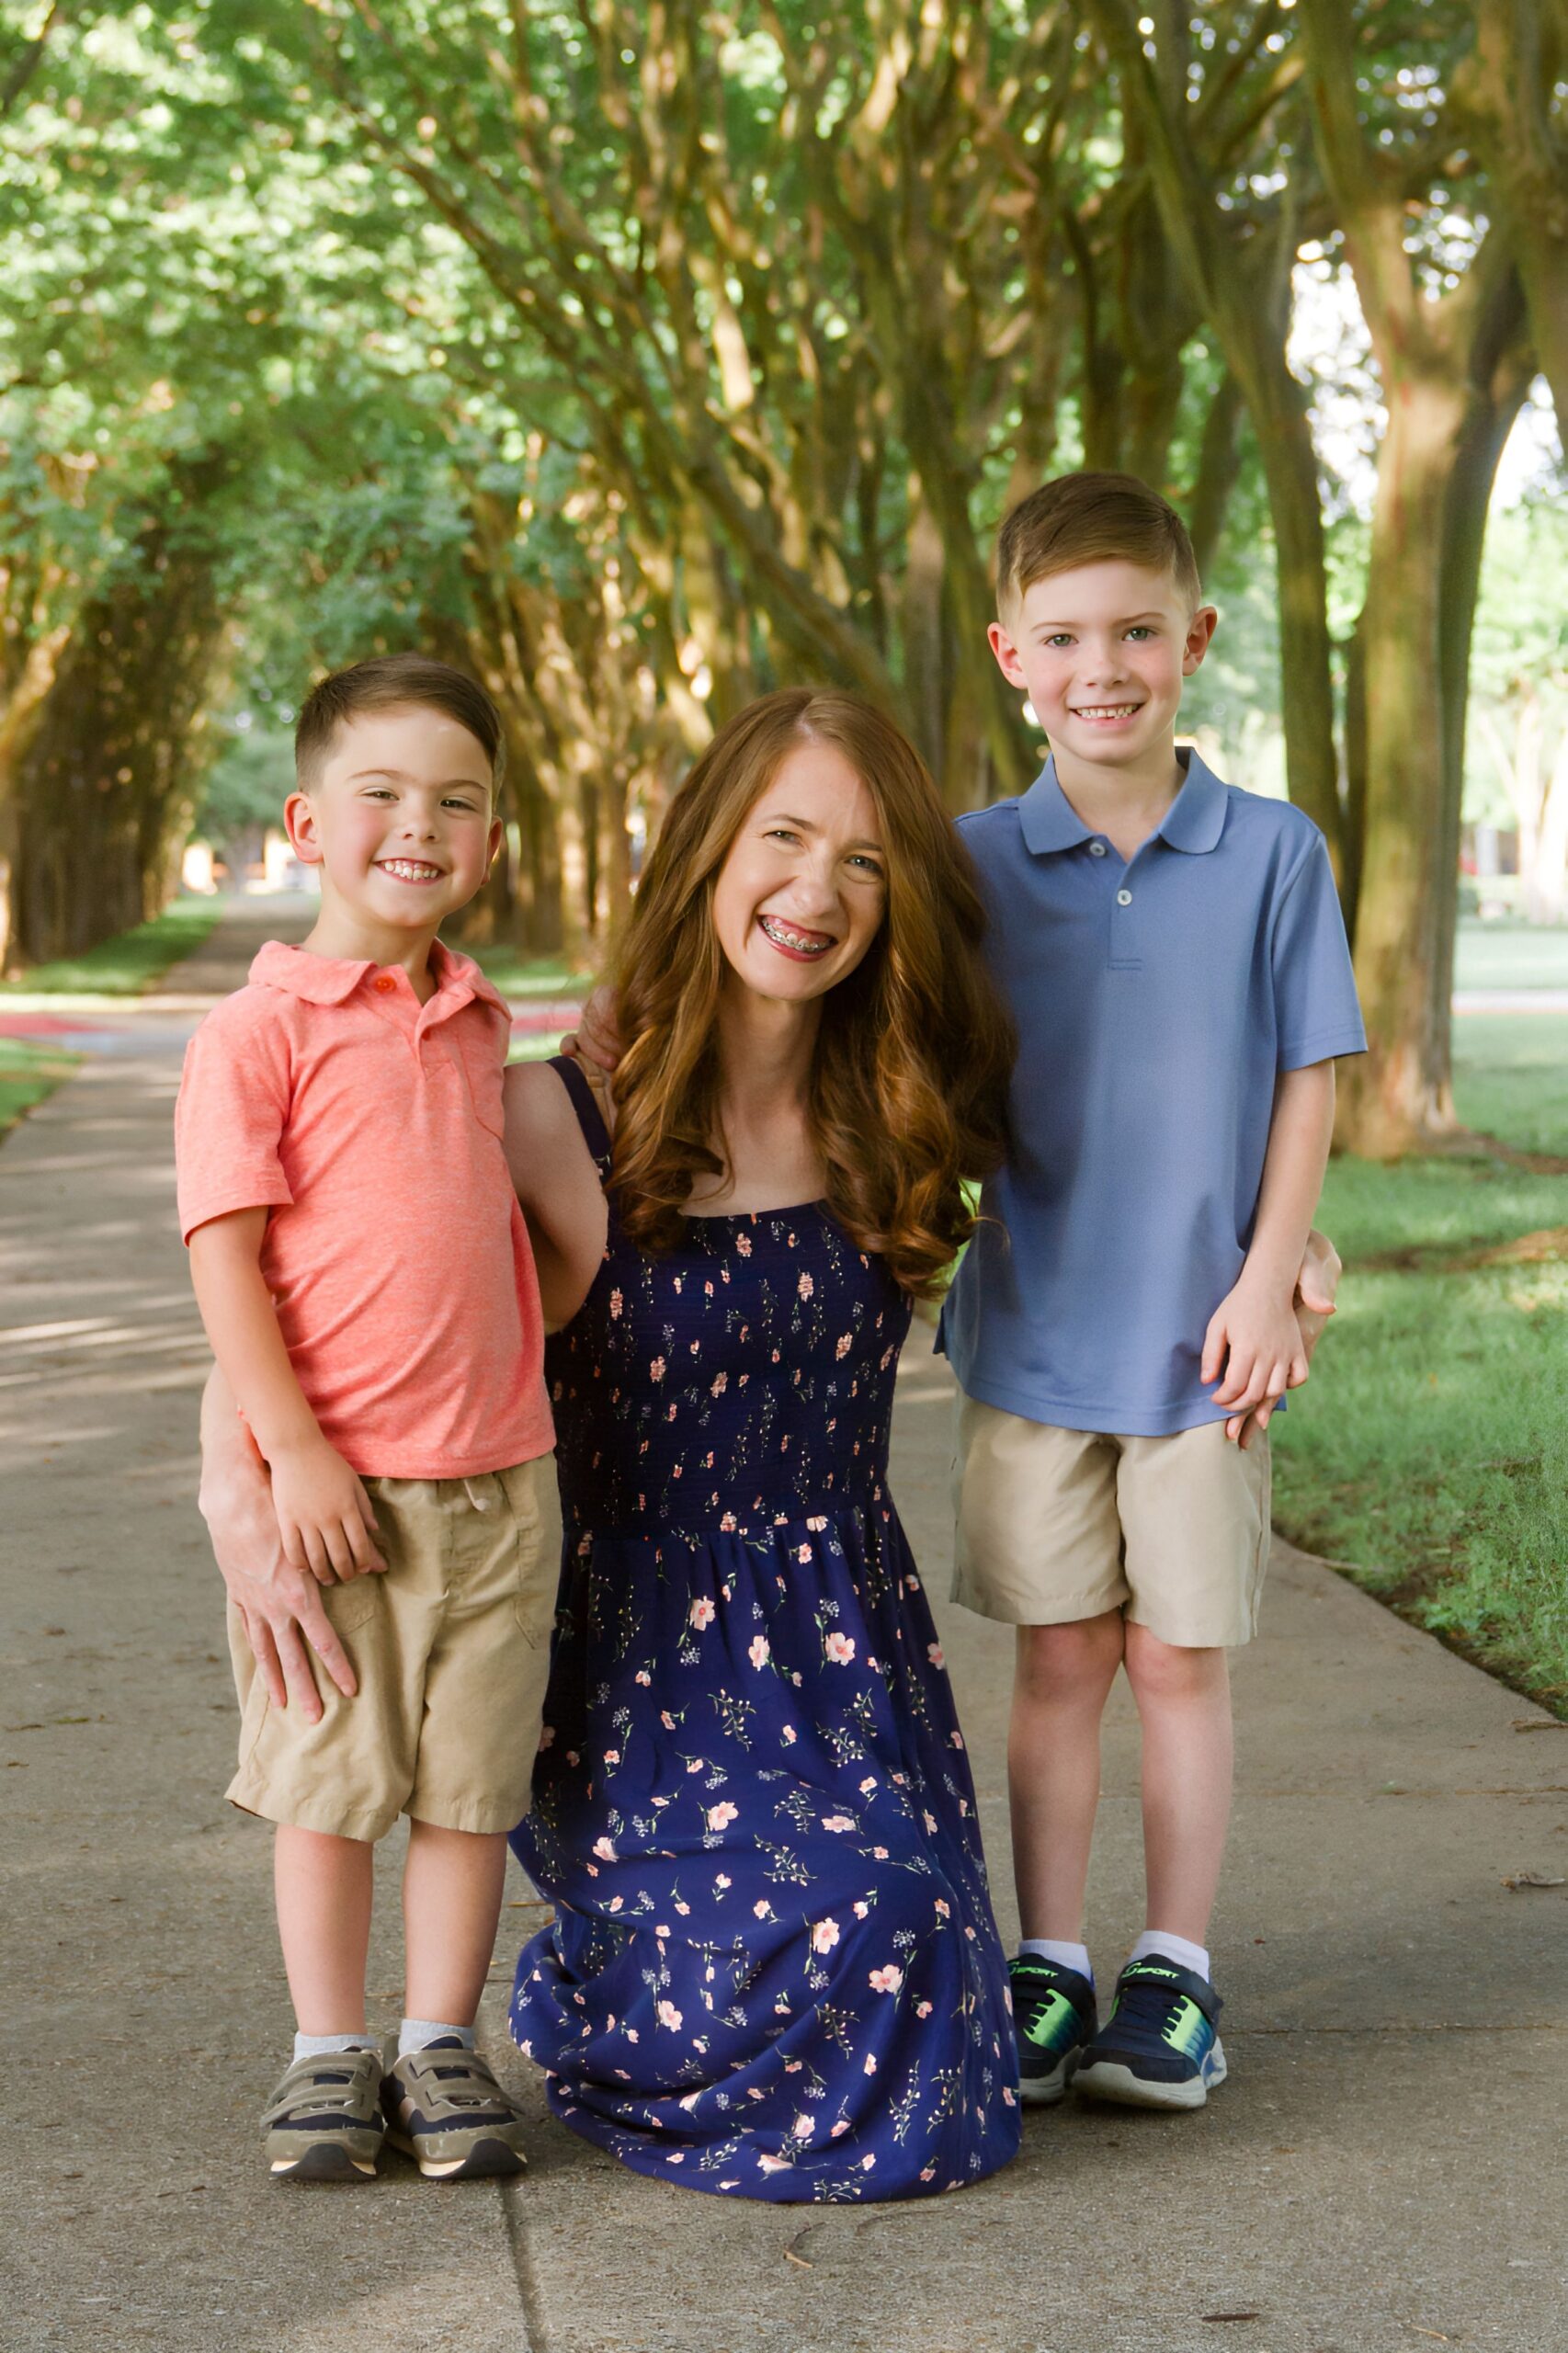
(318, 2046)
(1065, 1956)
(417, 2034)
(1193, 1957)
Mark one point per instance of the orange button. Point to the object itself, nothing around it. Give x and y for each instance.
(385, 982)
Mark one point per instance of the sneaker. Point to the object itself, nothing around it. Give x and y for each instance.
(446, 2110)
(323, 2122)
(1160, 2047)
(1053, 2017)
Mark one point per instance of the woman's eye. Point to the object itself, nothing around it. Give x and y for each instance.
(869, 867)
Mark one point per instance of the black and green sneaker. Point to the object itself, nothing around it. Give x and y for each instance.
(1053, 2016)
(1160, 2047)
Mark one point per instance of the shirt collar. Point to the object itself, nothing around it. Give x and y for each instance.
(331, 980)
(1193, 822)
(1196, 818)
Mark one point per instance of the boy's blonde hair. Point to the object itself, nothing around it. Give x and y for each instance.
(1093, 518)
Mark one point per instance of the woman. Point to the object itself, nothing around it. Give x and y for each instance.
(773, 1971)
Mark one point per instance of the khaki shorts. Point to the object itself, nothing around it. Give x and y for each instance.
(451, 1649)
(1057, 1525)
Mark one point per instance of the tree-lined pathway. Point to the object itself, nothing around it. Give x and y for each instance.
(1385, 2170)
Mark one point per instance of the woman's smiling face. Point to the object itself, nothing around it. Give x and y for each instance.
(802, 894)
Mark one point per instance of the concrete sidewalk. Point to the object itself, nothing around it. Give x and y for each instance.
(1385, 2170)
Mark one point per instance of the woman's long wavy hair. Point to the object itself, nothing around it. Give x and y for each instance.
(909, 1078)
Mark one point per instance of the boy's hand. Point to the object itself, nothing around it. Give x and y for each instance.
(323, 1513)
(1255, 1342)
(1317, 1288)
(596, 1038)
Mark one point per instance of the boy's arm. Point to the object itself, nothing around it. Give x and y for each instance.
(323, 1513)
(280, 1606)
(1253, 1338)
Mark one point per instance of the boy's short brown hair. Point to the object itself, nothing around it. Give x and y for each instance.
(1093, 518)
(380, 684)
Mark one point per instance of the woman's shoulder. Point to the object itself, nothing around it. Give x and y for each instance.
(550, 1104)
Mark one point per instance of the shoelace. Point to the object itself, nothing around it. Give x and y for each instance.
(1143, 2003)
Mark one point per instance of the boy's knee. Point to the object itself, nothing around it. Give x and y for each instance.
(1065, 1661)
(1158, 1670)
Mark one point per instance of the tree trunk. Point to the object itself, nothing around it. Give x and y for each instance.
(1507, 88)
(19, 723)
(1278, 406)
(111, 778)
(1398, 1096)
(1494, 406)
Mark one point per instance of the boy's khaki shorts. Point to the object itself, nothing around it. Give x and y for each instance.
(1057, 1525)
(451, 1646)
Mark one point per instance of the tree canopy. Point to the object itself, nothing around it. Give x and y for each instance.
(642, 356)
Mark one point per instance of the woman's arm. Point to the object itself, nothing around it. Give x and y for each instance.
(323, 1513)
(280, 1604)
(558, 1186)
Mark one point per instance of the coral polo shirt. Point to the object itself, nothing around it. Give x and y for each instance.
(370, 1126)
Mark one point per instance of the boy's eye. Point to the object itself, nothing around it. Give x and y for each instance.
(1140, 628)
(1062, 637)
(469, 808)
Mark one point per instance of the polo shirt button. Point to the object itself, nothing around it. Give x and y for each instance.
(1096, 849)
(385, 982)
(1124, 898)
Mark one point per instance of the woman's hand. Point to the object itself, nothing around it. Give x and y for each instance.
(596, 1038)
(280, 1604)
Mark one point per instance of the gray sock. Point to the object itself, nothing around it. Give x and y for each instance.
(417, 2034)
(318, 2046)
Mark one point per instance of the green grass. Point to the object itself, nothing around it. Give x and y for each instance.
(1429, 1454)
(29, 1073)
(1511, 1077)
(1510, 956)
(525, 976)
(129, 962)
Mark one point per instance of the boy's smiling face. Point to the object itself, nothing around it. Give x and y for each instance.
(1101, 652)
(399, 821)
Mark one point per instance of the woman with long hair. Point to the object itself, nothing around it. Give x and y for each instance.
(773, 1970)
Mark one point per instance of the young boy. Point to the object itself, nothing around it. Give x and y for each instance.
(1173, 956)
(364, 1274)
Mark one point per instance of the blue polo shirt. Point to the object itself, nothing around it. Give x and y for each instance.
(1157, 1001)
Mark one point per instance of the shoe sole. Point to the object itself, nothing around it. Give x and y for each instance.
(1048, 2091)
(1119, 2087)
(325, 2164)
(487, 2160)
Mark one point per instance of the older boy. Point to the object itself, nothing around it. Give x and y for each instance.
(1173, 953)
(364, 1275)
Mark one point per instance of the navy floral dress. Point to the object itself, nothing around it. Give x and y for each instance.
(773, 1970)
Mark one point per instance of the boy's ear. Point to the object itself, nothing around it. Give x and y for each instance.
(300, 824)
(1007, 654)
(493, 848)
(1200, 632)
